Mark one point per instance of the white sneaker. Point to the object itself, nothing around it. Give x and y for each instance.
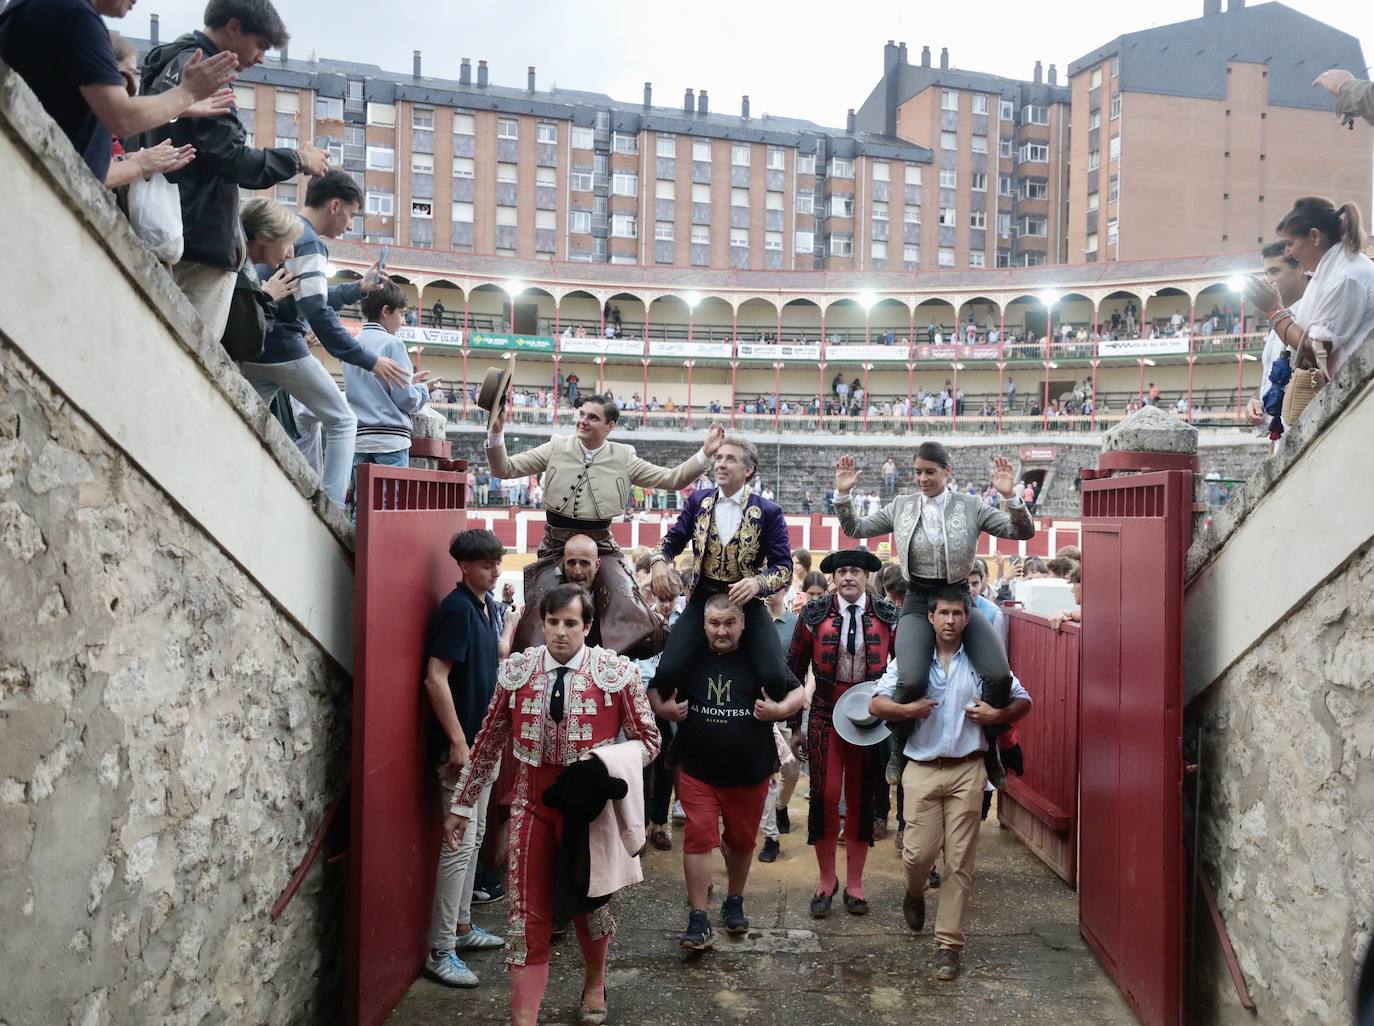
(450, 970)
(679, 816)
(478, 939)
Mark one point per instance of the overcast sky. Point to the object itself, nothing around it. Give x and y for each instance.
(809, 60)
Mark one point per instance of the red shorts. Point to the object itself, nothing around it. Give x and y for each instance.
(706, 806)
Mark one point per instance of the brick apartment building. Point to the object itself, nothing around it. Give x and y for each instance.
(1185, 139)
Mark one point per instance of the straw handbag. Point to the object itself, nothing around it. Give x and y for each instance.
(1303, 388)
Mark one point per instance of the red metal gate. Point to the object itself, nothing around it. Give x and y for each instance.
(405, 521)
(1041, 807)
(1130, 879)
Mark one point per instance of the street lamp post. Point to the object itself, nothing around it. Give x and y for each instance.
(689, 364)
(691, 299)
(1049, 298)
(514, 288)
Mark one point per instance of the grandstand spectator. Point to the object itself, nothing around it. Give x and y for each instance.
(161, 159)
(1034, 568)
(1060, 566)
(436, 314)
(978, 588)
(1011, 392)
(573, 379)
(889, 475)
(806, 504)
(1283, 271)
(383, 410)
(1338, 308)
(225, 163)
(330, 203)
(62, 50)
(271, 231)
(1075, 614)
(1072, 552)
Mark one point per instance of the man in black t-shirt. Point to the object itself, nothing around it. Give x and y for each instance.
(727, 753)
(460, 679)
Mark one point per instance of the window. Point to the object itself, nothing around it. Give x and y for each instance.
(1033, 114)
(911, 254)
(381, 203)
(1004, 225)
(1116, 106)
(286, 193)
(806, 164)
(1094, 201)
(335, 148)
(978, 219)
(286, 142)
(913, 174)
(665, 189)
(1111, 233)
(326, 109)
(1004, 185)
(980, 103)
(354, 136)
(878, 250)
(978, 182)
(949, 141)
(462, 212)
(580, 222)
(288, 101)
(1115, 62)
(507, 128)
(1113, 189)
(422, 163)
(464, 123)
(879, 210)
(946, 257)
(772, 201)
(841, 206)
(1091, 247)
(1004, 146)
(977, 260)
(1096, 79)
(912, 215)
(507, 172)
(949, 100)
(739, 156)
(625, 184)
(545, 219)
(546, 177)
(701, 150)
(580, 181)
(422, 208)
(506, 217)
(739, 238)
(422, 117)
(806, 242)
(701, 235)
(739, 197)
(1094, 120)
(1003, 258)
(841, 168)
(582, 138)
(546, 133)
(806, 203)
(772, 240)
(701, 192)
(666, 146)
(947, 217)
(381, 114)
(1006, 110)
(246, 97)
(1036, 227)
(624, 226)
(1032, 188)
(1094, 159)
(949, 178)
(841, 246)
(777, 161)
(663, 231)
(979, 144)
(882, 171)
(381, 158)
(1114, 148)
(1035, 153)
(624, 142)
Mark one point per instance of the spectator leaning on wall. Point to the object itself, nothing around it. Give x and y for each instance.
(224, 161)
(62, 50)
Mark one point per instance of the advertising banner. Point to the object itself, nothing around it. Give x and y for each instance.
(439, 337)
(781, 351)
(500, 340)
(863, 354)
(1142, 346)
(706, 350)
(602, 346)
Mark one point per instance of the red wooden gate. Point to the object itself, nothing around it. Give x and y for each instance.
(1130, 880)
(1041, 807)
(405, 521)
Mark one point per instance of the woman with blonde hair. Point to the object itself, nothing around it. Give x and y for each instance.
(271, 230)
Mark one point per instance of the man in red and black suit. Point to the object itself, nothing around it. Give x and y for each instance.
(846, 637)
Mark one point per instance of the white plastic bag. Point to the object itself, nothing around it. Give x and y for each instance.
(155, 213)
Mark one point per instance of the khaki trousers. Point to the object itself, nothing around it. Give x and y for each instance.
(209, 290)
(943, 806)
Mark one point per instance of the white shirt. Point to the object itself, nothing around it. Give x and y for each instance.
(551, 665)
(1274, 347)
(728, 514)
(933, 518)
(947, 733)
(1338, 306)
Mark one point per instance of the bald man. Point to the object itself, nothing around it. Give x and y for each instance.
(579, 565)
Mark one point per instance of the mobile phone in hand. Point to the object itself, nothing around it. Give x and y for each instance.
(381, 262)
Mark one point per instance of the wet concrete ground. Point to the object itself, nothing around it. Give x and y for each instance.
(1025, 962)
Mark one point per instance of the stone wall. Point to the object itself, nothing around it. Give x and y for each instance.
(171, 742)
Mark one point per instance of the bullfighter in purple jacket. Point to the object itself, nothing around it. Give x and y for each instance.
(741, 547)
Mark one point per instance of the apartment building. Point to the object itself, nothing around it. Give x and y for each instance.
(1197, 137)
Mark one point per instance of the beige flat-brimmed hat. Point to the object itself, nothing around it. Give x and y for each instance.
(495, 390)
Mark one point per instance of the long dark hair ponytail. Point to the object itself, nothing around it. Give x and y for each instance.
(1339, 224)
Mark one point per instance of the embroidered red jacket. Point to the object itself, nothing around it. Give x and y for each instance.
(816, 641)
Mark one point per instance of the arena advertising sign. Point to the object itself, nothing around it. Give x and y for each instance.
(1038, 453)
(978, 351)
(706, 350)
(860, 354)
(1142, 346)
(602, 346)
(500, 340)
(440, 337)
(783, 351)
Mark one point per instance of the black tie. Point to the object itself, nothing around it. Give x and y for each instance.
(556, 698)
(851, 642)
